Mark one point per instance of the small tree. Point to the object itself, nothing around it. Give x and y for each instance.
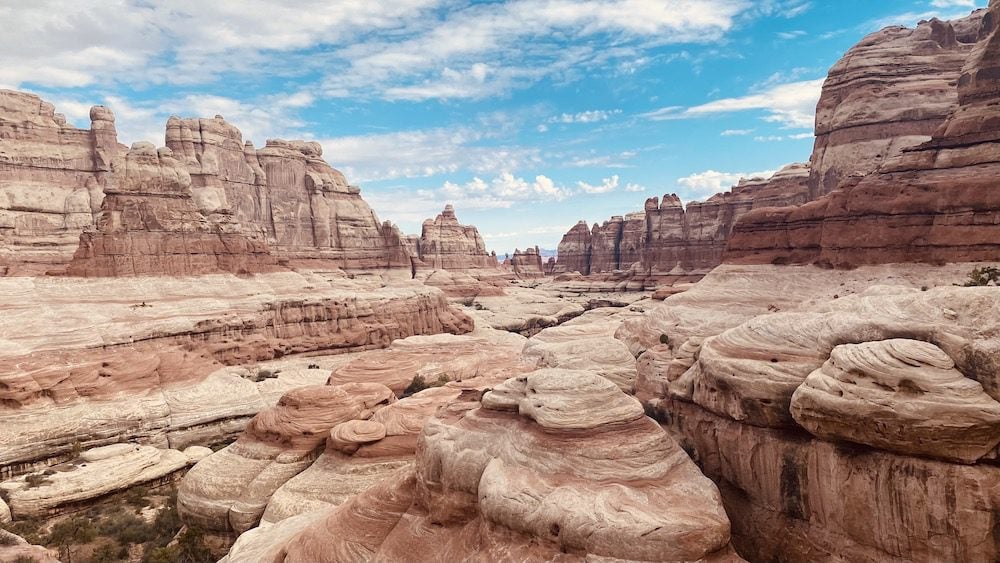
(985, 275)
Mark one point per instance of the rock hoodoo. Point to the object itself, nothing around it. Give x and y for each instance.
(444, 244)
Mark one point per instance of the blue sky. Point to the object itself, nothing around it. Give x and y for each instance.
(526, 115)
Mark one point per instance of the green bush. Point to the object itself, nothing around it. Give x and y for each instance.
(73, 531)
(190, 548)
(985, 275)
(127, 528)
(418, 384)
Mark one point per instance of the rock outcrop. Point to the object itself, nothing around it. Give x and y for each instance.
(148, 356)
(229, 490)
(933, 203)
(52, 179)
(555, 464)
(527, 264)
(669, 242)
(444, 244)
(149, 225)
(16, 548)
(889, 92)
(95, 473)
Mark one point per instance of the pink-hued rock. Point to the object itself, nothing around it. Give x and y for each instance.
(527, 264)
(667, 241)
(934, 203)
(555, 465)
(889, 92)
(229, 490)
(444, 244)
(149, 225)
(52, 177)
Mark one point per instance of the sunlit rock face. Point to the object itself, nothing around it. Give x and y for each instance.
(52, 178)
(802, 391)
(553, 465)
(670, 242)
(446, 244)
(934, 202)
(888, 93)
(285, 194)
(527, 264)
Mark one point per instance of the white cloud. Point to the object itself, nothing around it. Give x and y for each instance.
(711, 182)
(606, 185)
(953, 3)
(736, 132)
(591, 116)
(630, 187)
(793, 105)
(787, 35)
(775, 138)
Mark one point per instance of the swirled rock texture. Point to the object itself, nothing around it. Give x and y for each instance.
(932, 203)
(52, 178)
(670, 242)
(229, 490)
(558, 464)
(446, 244)
(149, 225)
(905, 389)
(149, 356)
(889, 92)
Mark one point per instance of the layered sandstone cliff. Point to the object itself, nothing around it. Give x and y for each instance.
(527, 264)
(934, 202)
(669, 240)
(52, 179)
(445, 244)
(889, 92)
(285, 194)
(149, 225)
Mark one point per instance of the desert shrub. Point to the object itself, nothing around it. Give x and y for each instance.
(313, 366)
(267, 374)
(417, 384)
(190, 548)
(6, 539)
(664, 339)
(985, 275)
(73, 531)
(127, 528)
(136, 497)
(29, 529)
(109, 553)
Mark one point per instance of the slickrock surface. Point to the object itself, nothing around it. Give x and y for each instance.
(229, 490)
(358, 455)
(434, 358)
(147, 353)
(149, 225)
(52, 177)
(287, 194)
(840, 418)
(446, 244)
(667, 241)
(889, 92)
(589, 346)
(542, 470)
(95, 473)
(463, 286)
(523, 310)
(933, 203)
(906, 389)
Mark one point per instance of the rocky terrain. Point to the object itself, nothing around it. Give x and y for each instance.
(236, 323)
(671, 242)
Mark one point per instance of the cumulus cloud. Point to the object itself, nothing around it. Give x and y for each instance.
(736, 132)
(792, 105)
(591, 116)
(711, 182)
(630, 187)
(606, 185)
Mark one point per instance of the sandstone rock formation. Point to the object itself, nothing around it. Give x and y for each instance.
(541, 470)
(889, 92)
(932, 203)
(804, 399)
(229, 490)
(527, 264)
(52, 177)
(16, 548)
(149, 225)
(446, 244)
(96, 473)
(148, 355)
(668, 241)
(287, 194)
